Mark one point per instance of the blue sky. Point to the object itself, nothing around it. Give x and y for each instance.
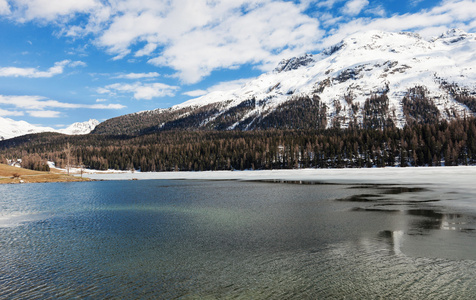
(65, 61)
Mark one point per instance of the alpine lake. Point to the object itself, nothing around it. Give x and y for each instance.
(232, 239)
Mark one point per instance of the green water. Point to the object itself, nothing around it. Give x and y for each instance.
(160, 239)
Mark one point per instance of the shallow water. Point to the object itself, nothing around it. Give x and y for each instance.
(189, 239)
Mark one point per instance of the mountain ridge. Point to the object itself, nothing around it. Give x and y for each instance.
(10, 128)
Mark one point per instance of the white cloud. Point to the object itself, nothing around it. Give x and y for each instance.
(44, 113)
(57, 69)
(138, 75)
(147, 50)
(222, 86)
(229, 85)
(328, 20)
(51, 10)
(4, 7)
(195, 93)
(8, 113)
(38, 103)
(140, 90)
(415, 2)
(102, 106)
(220, 34)
(377, 11)
(78, 63)
(328, 3)
(34, 102)
(354, 7)
(101, 100)
(264, 35)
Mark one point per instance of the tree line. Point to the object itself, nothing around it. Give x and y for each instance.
(379, 144)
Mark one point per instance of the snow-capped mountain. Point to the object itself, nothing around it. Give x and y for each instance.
(80, 127)
(340, 85)
(10, 128)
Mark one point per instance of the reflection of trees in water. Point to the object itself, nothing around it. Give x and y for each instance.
(444, 221)
(394, 239)
(410, 208)
(432, 220)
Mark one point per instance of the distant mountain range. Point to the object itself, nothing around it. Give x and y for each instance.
(10, 128)
(372, 79)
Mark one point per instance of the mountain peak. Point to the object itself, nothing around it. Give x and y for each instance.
(294, 63)
(10, 128)
(80, 127)
(453, 36)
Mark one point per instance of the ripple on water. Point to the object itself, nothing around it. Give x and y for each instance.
(246, 240)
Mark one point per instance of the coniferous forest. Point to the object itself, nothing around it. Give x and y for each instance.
(417, 144)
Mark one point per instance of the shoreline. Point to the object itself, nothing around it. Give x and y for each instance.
(447, 176)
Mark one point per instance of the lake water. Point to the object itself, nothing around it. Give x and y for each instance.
(192, 239)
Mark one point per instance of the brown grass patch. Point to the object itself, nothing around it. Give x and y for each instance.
(10, 174)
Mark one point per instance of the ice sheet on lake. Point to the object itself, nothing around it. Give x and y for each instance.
(451, 186)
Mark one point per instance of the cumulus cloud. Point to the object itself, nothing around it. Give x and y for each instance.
(140, 90)
(57, 69)
(354, 7)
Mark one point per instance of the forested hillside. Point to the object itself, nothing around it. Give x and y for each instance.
(419, 144)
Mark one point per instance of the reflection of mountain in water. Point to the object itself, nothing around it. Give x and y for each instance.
(421, 228)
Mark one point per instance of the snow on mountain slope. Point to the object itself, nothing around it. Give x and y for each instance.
(372, 63)
(10, 128)
(80, 127)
